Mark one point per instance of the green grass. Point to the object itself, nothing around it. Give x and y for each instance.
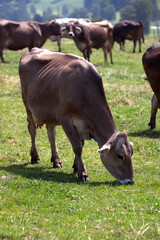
(39, 202)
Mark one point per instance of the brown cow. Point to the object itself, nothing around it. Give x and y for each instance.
(130, 30)
(19, 35)
(91, 35)
(64, 89)
(63, 22)
(151, 63)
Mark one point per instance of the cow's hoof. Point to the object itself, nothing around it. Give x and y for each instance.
(5, 62)
(57, 165)
(83, 178)
(75, 169)
(152, 126)
(35, 160)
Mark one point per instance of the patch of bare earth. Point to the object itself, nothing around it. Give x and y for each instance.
(12, 79)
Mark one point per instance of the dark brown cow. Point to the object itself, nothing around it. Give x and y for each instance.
(64, 89)
(91, 35)
(19, 35)
(130, 30)
(151, 63)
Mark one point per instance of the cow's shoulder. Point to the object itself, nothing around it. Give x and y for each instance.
(36, 55)
(153, 52)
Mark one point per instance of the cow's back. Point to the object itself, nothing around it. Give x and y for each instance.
(16, 35)
(151, 63)
(99, 35)
(128, 29)
(53, 83)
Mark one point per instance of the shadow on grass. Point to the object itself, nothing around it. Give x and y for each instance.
(48, 174)
(146, 133)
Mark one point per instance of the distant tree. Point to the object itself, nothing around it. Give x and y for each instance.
(65, 10)
(32, 9)
(95, 11)
(107, 11)
(128, 13)
(6, 10)
(143, 10)
(14, 15)
(155, 11)
(79, 13)
(118, 4)
(37, 17)
(89, 3)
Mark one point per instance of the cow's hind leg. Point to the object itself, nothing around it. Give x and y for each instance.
(32, 130)
(105, 54)
(110, 54)
(59, 43)
(154, 108)
(77, 148)
(51, 130)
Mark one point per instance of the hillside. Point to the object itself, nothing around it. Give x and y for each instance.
(56, 5)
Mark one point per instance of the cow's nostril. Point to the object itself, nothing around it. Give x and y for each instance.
(70, 34)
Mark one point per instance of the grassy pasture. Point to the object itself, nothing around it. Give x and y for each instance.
(39, 202)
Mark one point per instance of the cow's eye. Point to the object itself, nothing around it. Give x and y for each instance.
(120, 156)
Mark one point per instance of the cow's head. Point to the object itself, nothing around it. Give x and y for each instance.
(71, 30)
(116, 156)
(56, 30)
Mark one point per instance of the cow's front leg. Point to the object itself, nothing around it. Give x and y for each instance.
(51, 130)
(75, 164)
(134, 46)
(1, 56)
(77, 148)
(32, 130)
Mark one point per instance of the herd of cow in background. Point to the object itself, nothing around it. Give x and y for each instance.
(65, 89)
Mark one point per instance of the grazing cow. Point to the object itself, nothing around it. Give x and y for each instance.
(64, 89)
(19, 35)
(151, 63)
(91, 35)
(63, 22)
(130, 30)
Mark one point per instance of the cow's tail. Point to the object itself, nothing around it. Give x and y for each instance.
(142, 30)
(110, 36)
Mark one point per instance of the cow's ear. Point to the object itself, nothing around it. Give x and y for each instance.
(53, 22)
(63, 30)
(78, 30)
(104, 149)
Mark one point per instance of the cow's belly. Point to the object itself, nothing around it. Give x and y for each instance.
(129, 37)
(44, 115)
(13, 45)
(81, 46)
(8, 42)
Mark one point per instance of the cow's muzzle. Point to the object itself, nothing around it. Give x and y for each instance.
(71, 34)
(126, 181)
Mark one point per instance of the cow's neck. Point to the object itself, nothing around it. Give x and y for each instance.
(45, 29)
(103, 124)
